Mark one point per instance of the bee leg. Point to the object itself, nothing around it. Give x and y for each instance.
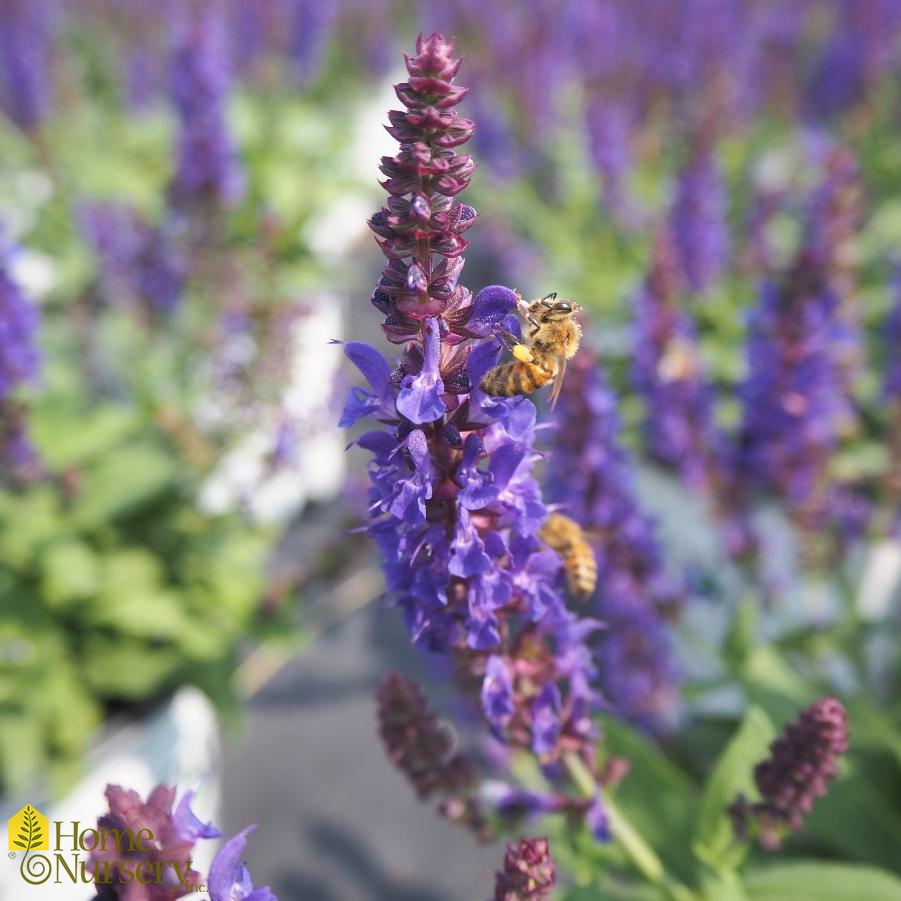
(508, 339)
(523, 353)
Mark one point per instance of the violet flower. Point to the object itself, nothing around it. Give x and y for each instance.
(529, 872)
(19, 365)
(592, 481)
(802, 762)
(699, 222)
(802, 356)
(678, 426)
(229, 879)
(206, 168)
(455, 507)
(19, 325)
(25, 57)
(311, 31)
(891, 380)
(140, 263)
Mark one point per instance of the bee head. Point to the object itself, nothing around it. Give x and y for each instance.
(552, 310)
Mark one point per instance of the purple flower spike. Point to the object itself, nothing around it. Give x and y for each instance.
(20, 363)
(229, 879)
(803, 353)
(593, 480)
(207, 168)
(455, 507)
(892, 339)
(678, 425)
(802, 762)
(699, 221)
(25, 60)
(140, 263)
(19, 324)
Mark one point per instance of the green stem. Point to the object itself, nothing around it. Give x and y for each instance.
(640, 854)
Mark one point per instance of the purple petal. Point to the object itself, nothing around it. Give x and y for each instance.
(373, 366)
(490, 306)
(227, 869)
(420, 395)
(598, 821)
(359, 403)
(188, 825)
(482, 358)
(468, 552)
(477, 490)
(497, 691)
(546, 720)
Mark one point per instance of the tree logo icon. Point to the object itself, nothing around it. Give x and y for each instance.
(28, 831)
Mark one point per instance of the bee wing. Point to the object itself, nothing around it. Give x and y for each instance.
(558, 379)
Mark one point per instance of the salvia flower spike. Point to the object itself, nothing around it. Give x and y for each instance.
(802, 763)
(455, 506)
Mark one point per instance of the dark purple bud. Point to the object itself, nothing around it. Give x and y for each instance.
(174, 836)
(419, 744)
(529, 872)
(802, 762)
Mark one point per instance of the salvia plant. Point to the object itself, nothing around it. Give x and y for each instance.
(463, 491)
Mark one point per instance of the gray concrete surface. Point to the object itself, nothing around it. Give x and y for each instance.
(336, 821)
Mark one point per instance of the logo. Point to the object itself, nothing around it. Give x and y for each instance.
(28, 830)
(102, 856)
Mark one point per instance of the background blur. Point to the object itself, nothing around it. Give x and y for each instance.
(184, 189)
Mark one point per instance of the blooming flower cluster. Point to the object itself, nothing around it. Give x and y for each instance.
(678, 425)
(26, 40)
(140, 263)
(207, 169)
(591, 479)
(699, 220)
(456, 508)
(892, 333)
(803, 760)
(19, 364)
(801, 353)
(168, 854)
(19, 322)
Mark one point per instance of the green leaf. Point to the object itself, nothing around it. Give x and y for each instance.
(731, 775)
(69, 437)
(129, 669)
(27, 521)
(859, 817)
(822, 881)
(71, 573)
(121, 484)
(19, 844)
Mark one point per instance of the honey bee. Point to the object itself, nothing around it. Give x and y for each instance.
(564, 535)
(552, 340)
